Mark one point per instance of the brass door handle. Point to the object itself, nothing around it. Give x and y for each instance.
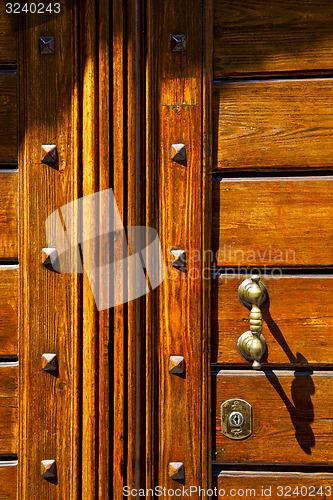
(252, 294)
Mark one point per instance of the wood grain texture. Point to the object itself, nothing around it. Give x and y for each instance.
(8, 311)
(273, 124)
(49, 302)
(9, 215)
(8, 36)
(119, 478)
(292, 411)
(104, 316)
(278, 222)
(8, 118)
(272, 35)
(298, 319)
(178, 300)
(90, 145)
(8, 480)
(9, 402)
(268, 484)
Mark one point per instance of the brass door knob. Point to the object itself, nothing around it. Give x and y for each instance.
(252, 294)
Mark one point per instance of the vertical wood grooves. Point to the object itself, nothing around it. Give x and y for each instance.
(152, 312)
(119, 384)
(207, 153)
(135, 190)
(104, 183)
(90, 314)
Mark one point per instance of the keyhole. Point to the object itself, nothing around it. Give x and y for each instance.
(236, 419)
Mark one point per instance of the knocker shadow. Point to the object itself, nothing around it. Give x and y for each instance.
(279, 337)
(300, 408)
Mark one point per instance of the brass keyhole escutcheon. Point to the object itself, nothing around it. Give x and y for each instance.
(236, 415)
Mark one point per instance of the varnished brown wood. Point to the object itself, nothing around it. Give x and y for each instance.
(263, 485)
(90, 316)
(9, 215)
(49, 301)
(105, 366)
(291, 411)
(134, 192)
(298, 319)
(178, 119)
(278, 222)
(8, 480)
(8, 118)
(8, 36)
(274, 35)
(8, 310)
(9, 419)
(119, 342)
(273, 124)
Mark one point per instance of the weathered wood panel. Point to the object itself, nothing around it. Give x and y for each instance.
(260, 36)
(8, 408)
(49, 301)
(8, 35)
(292, 411)
(278, 222)
(8, 215)
(298, 319)
(263, 485)
(8, 311)
(8, 481)
(273, 124)
(177, 118)
(8, 117)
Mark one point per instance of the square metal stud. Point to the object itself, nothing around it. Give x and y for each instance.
(176, 365)
(46, 45)
(176, 470)
(178, 153)
(48, 469)
(180, 259)
(49, 362)
(178, 43)
(49, 153)
(49, 256)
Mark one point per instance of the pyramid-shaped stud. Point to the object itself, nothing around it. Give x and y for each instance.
(46, 45)
(176, 470)
(48, 469)
(178, 153)
(176, 364)
(49, 362)
(180, 259)
(178, 43)
(49, 153)
(49, 256)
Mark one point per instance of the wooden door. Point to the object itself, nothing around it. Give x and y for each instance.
(54, 64)
(272, 213)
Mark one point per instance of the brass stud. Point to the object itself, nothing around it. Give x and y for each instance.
(46, 45)
(176, 364)
(180, 259)
(49, 153)
(178, 153)
(49, 362)
(49, 256)
(176, 470)
(48, 469)
(178, 43)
